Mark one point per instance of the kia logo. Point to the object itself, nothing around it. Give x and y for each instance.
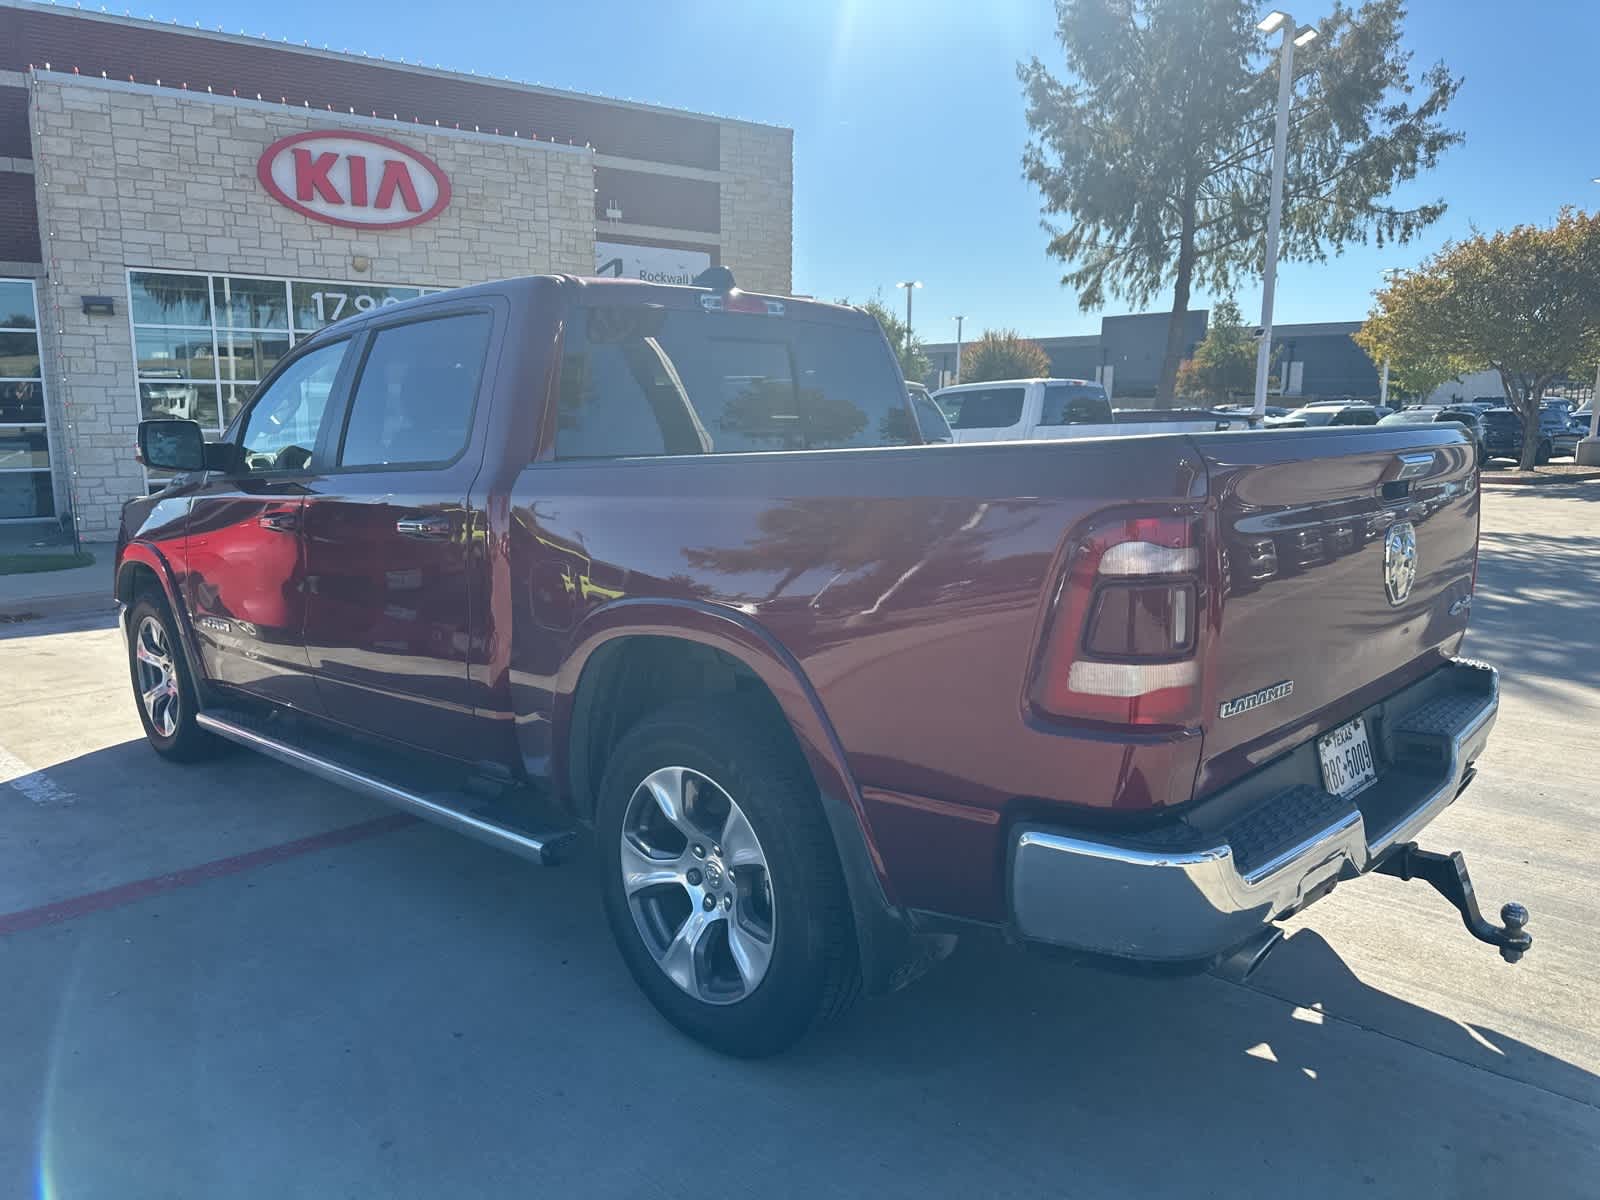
(358, 180)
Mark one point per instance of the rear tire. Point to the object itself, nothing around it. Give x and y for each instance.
(708, 816)
(163, 690)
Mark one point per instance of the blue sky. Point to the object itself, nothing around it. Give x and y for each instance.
(909, 128)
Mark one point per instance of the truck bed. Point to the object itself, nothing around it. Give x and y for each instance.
(911, 586)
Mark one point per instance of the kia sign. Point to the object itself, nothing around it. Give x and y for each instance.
(358, 180)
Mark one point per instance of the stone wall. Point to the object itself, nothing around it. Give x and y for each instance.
(758, 206)
(133, 176)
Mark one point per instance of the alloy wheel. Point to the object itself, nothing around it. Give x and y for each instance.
(697, 884)
(158, 677)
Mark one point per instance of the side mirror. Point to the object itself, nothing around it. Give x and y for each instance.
(169, 444)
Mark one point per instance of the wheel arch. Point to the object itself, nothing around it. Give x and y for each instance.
(892, 953)
(145, 568)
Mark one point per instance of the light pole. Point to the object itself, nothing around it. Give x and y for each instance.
(1274, 21)
(910, 285)
(959, 318)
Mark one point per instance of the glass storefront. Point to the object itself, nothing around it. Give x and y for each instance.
(203, 342)
(25, 491)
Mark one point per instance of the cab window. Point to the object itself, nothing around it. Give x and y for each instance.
(983, 408)
(412, 405)
(1075, 404)
(280, 432)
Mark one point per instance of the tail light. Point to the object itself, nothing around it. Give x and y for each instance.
(1121, 646)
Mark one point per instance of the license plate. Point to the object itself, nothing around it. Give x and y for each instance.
(1347, 764)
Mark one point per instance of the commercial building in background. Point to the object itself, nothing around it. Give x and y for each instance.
(178, 208)
(1310, 361)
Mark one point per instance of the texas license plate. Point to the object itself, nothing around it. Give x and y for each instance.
(1347, 764)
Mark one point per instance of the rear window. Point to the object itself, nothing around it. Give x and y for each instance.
(642, 381)
(1075, 404)
(1502, 420)
(983, 408)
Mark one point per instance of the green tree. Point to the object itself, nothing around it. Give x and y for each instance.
(1418, 375)
(1224, 363)
(914, 362)
(1003, 354)
(1524, 303)
(1156, 147)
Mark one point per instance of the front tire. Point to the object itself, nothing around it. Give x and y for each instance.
(721, 882)
(163, 690)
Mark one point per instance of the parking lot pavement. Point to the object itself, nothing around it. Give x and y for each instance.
(234, 980)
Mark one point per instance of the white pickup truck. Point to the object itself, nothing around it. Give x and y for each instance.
(1011, 410)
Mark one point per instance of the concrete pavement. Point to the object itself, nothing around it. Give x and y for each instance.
(245, 988)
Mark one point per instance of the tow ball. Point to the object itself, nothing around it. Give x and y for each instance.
(1448, 875)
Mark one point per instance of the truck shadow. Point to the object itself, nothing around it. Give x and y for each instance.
(374, 1011)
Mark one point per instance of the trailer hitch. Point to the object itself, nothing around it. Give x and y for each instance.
(1448, 875)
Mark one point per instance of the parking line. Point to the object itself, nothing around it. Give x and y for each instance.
(143, 889)
(35, 785)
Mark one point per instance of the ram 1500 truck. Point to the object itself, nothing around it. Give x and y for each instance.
(666, 567)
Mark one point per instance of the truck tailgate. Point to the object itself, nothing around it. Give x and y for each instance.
(1314, 615)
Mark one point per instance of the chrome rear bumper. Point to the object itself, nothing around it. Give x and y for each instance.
(1193, 893)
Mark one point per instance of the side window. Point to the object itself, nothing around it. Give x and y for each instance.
(280, 433)
(1075, 404)
(984, 408)
(413, 403)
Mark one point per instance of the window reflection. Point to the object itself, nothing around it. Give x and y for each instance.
(636, 382)
(25, 480)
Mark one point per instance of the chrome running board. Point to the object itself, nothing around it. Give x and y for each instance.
(447, 808)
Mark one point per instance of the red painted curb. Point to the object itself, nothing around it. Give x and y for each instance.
(143, 889)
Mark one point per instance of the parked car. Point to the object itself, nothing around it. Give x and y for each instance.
(1469, 419)
(929, 417)
(1011, 410)
(1559, 404)
(1581, 423)
(1383, 410)
(1556, 423)
(1270, 410)
(649, 562)
(1326, 414)
(1502, 436)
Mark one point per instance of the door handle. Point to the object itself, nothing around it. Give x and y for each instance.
(282, 522)
(432, 529)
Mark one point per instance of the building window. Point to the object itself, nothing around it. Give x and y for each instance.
(202, 343)
(25, 490)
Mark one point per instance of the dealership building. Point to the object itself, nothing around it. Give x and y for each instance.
(178, 207)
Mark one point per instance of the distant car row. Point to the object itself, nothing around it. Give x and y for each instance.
(1019, 410)
(1047, 409)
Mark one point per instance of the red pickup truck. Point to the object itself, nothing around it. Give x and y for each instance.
(670, 565)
